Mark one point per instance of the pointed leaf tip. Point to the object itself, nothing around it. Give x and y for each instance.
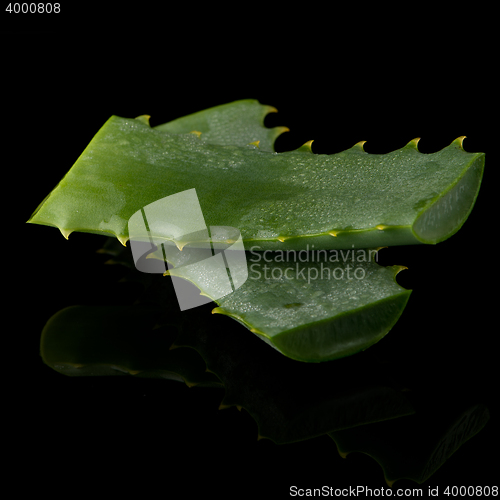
(398, 269)
(459, 141)
(123, 240)
(359, 145)
(413, 143)
(306, 147)
(143, 119)
(65, 232)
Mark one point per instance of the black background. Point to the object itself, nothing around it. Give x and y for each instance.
(63, 84)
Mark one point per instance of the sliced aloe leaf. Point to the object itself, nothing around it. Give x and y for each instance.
(310, 311)
(286, 200)
(292, 401)
(118, 340)
(234, 124)
(311, 306)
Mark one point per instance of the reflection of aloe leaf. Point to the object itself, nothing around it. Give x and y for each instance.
(416, 446)
(118, 340)
(292, 401)
(276, 200)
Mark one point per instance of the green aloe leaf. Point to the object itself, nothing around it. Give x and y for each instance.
(310, 311)
(311, 306)
(290, 200)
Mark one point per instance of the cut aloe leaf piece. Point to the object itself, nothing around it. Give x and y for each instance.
(310, 311)
(237, 123)
(311, 306)
(290, 200)
(118, 340)
(292, 401)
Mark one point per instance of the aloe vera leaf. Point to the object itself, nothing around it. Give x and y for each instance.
(118, 340)
(236, 123)
(289, 200)
(310, 311)
(335, 304)
(415, 447)
(292, 401)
